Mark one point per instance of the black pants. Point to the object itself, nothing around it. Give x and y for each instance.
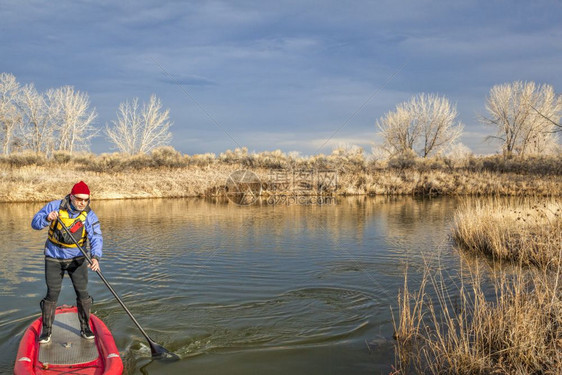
(77, 269)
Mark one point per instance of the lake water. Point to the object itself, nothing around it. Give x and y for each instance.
(300, 289)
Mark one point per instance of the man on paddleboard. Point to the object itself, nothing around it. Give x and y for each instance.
(62, 255)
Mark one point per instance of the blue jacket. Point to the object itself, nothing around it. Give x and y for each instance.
(91, 225)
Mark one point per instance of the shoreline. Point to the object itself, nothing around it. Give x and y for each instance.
(40, 183)
(167, 173)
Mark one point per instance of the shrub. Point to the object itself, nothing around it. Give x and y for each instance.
(272, 160)
(203, 160)
(103, 163)
(22, 159)
(458, 156)
(62, 157)
(403, 161)
(539, 165)
(167, 156)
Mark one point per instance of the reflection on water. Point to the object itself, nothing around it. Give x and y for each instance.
(258, 288)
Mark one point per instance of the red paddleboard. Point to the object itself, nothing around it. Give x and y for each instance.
(68, 352)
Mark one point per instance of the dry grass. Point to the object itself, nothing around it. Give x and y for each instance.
(169, 173)
(528, 233)
(33, 183)
(498, 317)
(449, 182)
(514, 329)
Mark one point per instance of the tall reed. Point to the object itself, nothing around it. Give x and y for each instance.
(528, 232)
(466, 327)
(500, 316)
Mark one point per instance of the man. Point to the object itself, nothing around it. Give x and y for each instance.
(62, 254)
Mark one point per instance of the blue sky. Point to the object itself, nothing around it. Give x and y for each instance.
(294, 75)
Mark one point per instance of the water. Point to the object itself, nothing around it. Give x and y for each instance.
(239, 290)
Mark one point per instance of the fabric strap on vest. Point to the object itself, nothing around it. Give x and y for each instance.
(75, 225)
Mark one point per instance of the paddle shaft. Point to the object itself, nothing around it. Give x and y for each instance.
(153, 345)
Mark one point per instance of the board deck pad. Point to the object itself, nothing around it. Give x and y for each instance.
(67, 346)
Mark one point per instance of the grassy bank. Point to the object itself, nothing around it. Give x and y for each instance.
(528, 233)
(503, 316)
(168, 173)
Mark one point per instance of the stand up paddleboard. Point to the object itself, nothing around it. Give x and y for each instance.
(68, 352)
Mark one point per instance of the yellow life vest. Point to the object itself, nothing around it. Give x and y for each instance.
(75, 226)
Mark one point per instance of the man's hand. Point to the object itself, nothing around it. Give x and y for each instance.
(95, 266)
(52, 215)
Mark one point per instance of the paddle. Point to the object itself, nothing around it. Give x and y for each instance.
(158, 351)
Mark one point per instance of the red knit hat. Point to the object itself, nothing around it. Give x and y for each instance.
(80, 188)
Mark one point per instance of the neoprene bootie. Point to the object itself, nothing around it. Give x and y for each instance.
(48, 315)
(84, 306)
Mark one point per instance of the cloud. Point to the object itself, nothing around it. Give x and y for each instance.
(290, 69)
(187, 80)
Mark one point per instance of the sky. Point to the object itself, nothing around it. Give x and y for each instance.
(304, 76)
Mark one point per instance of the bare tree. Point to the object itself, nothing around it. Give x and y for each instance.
(10, 118)
(398, 130)
(139, 130)
(525, 116)
(37, 121)
(425, 125)
(436, 117)
(557, 125)
(70, 112)
(126, 127)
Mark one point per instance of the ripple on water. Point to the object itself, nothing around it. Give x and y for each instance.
(300, 317)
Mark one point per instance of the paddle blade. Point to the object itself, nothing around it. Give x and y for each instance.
(161, 353)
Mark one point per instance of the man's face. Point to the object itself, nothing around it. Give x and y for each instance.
(80, 201)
